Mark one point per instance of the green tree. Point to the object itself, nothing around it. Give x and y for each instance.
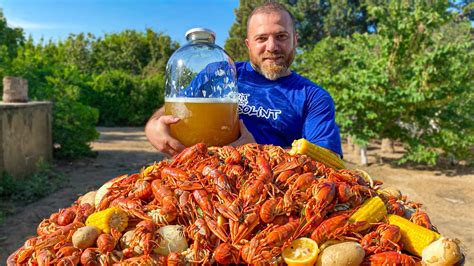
(10, 40)
(235, 44)
(314, 20)
(77, 50)
(465, 8)
(410, 81)
(352, 70)
(133, 51)
(160, 47)
(10, 37)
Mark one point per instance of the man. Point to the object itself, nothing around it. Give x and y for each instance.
(276, 105)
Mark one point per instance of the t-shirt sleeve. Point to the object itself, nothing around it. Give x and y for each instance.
(320, 125)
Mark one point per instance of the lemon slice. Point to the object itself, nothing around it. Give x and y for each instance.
(366, 177)
(302, 251)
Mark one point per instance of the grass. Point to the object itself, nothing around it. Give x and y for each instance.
(19, 192)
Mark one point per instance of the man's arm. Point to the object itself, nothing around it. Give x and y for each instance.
(157, 130)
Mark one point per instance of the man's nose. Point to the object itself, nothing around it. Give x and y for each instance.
(272, 45)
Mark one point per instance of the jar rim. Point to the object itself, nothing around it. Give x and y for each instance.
(200, 34)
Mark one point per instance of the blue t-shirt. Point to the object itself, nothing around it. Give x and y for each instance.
(289, 108)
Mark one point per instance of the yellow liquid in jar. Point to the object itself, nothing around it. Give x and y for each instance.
(209, 120)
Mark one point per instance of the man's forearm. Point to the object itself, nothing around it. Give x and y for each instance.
(155, 116)
(158, 113)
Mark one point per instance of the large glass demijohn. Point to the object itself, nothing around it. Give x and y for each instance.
(201, 90)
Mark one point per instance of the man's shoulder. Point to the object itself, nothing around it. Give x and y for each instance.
(240, 65)
(304, 81)
(309, 85)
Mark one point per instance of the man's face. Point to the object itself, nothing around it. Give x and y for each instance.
(271, 42)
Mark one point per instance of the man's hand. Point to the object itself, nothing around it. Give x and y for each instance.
(157, 131)
(245, 136)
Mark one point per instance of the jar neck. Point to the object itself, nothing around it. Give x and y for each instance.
(200, 41)
(200, 38)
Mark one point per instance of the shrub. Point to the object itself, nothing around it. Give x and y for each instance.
(73, 129)
(19, 192)
(123, 99)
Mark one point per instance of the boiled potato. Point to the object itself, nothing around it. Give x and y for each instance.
(85, 237)
(345, 253)
(444, 251)
(330, 242)
(89, 197)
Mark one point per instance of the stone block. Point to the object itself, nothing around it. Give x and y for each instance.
(15, 90)
(25, 136)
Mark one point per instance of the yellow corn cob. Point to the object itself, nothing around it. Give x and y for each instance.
(109, 218)
(372, 210)
(320, 154)
(414, 237)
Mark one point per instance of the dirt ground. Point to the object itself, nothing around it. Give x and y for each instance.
(447, 194)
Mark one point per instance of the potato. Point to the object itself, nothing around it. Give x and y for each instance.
(444, 251)
(85, 237)
(89, 197)
(346, 253)
(329, 243)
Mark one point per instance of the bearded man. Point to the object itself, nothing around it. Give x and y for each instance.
(276, 105)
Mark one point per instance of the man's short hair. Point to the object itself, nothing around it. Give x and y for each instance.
(270, 7)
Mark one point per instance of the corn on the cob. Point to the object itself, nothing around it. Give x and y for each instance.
(109, 218)
(414, 237)
(320, 154)
(371, 211)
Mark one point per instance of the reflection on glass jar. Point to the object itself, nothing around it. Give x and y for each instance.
(201, 90)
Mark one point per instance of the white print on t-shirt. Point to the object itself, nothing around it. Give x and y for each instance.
(252, 110)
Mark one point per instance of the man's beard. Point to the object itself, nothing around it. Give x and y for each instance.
(272, 70)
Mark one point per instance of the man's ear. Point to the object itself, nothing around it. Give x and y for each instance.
(296, 39)
(247, 43)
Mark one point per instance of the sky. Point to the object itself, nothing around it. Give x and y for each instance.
(56, 19)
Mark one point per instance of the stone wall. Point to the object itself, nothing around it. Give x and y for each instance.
(25, 136)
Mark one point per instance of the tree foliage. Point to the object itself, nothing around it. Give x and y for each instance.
(314, 20)
(411, 80)
(125, 99)
(11, 38)
(235, 44)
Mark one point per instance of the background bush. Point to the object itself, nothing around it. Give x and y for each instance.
(124, 99)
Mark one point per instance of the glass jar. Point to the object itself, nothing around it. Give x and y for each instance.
(201, 90)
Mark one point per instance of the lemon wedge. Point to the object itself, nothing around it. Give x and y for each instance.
(302, 252)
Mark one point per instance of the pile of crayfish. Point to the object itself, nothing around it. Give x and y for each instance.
(240, 205)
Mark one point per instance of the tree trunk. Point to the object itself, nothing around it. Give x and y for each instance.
(361, 152)
(350, 145)
(387, 146)
(363, 156)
